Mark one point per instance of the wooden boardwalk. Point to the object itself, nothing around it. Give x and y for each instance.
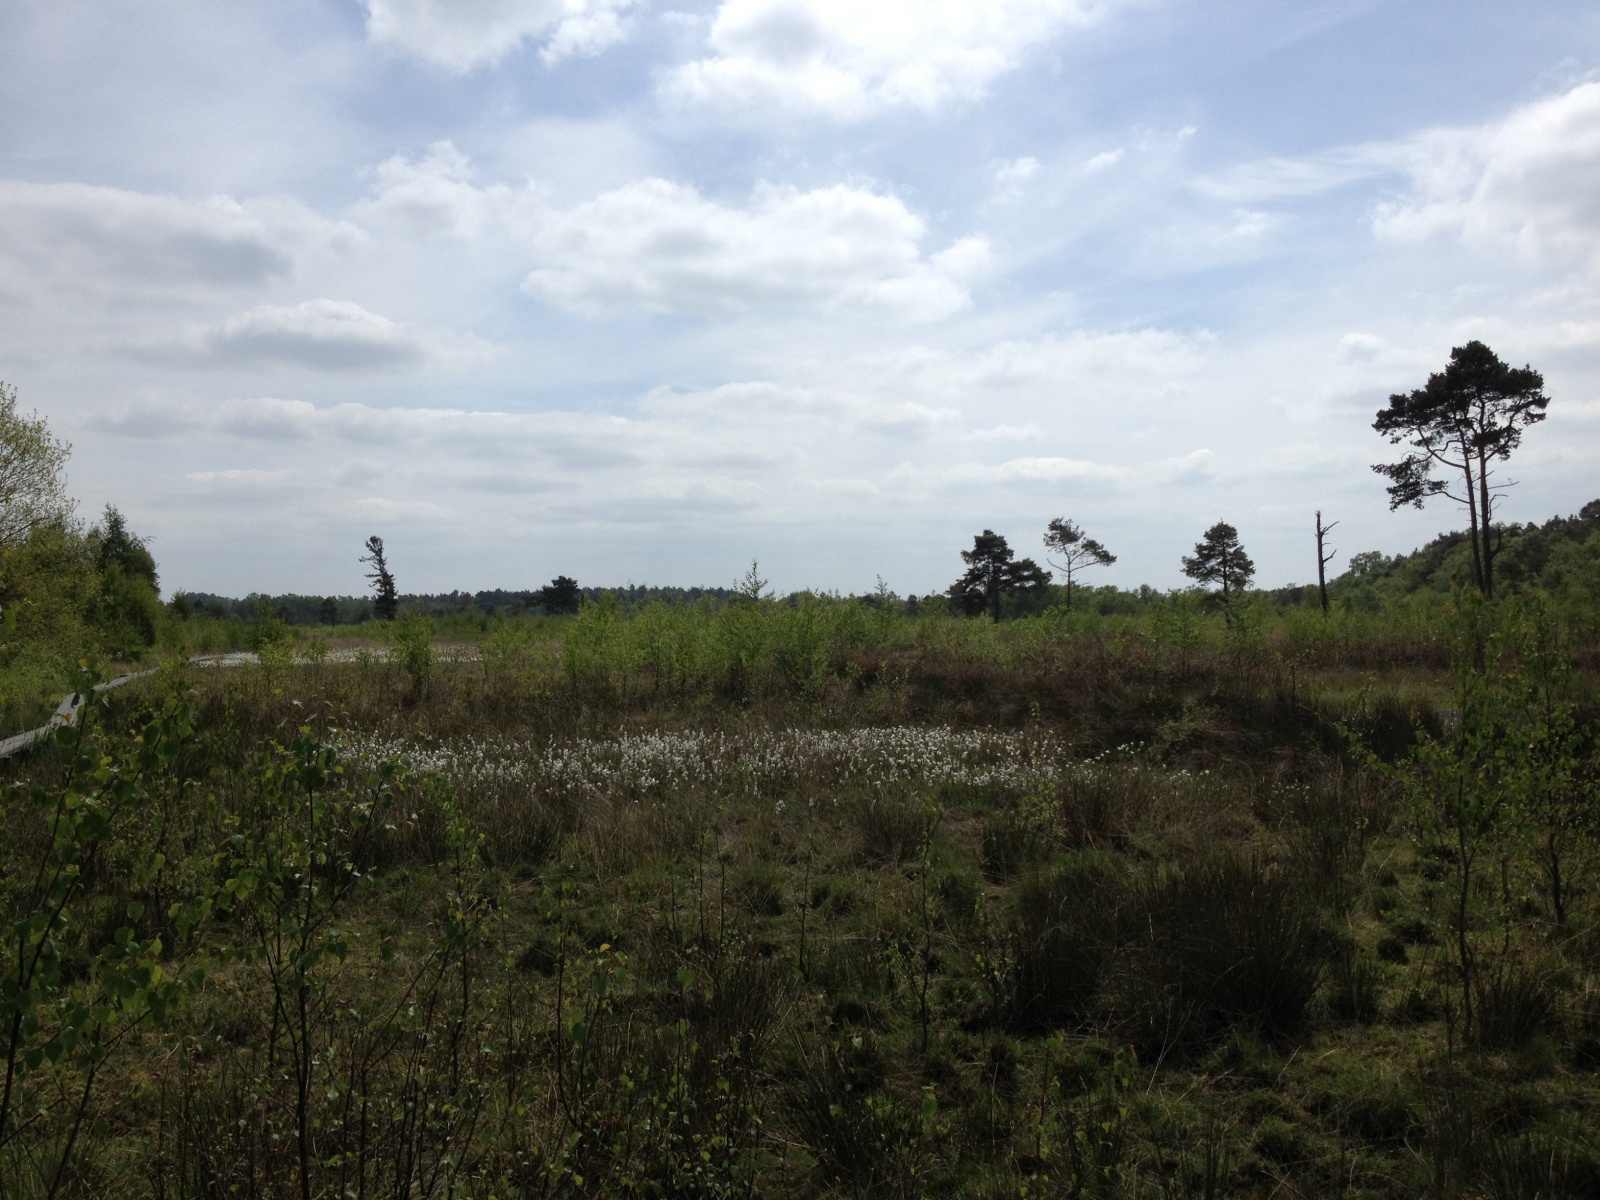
(67, 711)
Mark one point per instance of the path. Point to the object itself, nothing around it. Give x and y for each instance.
(67, 710)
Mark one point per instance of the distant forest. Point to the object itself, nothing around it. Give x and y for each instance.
(353, 610)
(1558, 556)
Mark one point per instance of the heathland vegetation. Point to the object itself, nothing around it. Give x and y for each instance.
(1192, 894)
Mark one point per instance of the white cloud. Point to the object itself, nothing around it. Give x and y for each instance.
(1530, 181)
(1103, 160)
(1011, 179)
(1361, 347)
(436, 196)
(266, 420)
(1007, 433)
(800, 411)
(327, 334)
(847, 59)
(321, 335)
(97, 238)
(1017, 172)
(1106, 372)
(460, 35)
(663, 247)
(247, 479)
(1292, 178)
(1054, 469)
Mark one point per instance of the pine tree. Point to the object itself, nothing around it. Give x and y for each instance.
(992, 570)
(1076, 550)
(1468, 416)
(1220, 559)
(385, 600)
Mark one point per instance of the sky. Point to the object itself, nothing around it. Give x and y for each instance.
(639, 291)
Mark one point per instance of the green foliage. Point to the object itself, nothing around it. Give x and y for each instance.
(1510, 770)
(994, 573)
(858, 1135)
(32, 492)
(63, 593)
(1561, 558)
(1063, 934)
(69, 995)
(1220, 559)
(1224, 940)
(412, 638)
(1469, 416)
(808, 895)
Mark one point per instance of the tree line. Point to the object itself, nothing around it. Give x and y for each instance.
(99, 581)
(1462, 422)
(64, 584)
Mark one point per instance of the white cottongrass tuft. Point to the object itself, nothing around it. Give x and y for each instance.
(733, 763)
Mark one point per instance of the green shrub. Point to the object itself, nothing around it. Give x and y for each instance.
(1284, 1143)
(1515, 1001)
(759, 887)
(1012, 844)
(411, 634)
(1355, 990)
(1223, 941)
(857, 1134)
(894, 827)
(1062, 935)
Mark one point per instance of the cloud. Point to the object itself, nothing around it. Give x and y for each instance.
(800, 411)
(1016, 172)
(152, 416)
(100, 237)
(1054, 469)
(1034, 469)
(1104, 160)
(1361, 347)
(248, 479)
(749, 452)
(328, 335)
(460, 35)
(436, 196)
(848, 60)
(1124, 371)
(321, 334)
(1293, 178)
(663, 247)
(1011, 179)
(660, 246)
(1530, 182)
(266, 419)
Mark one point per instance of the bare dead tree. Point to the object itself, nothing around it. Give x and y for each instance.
(1322, 561)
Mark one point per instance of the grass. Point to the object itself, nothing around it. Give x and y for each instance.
(793, 903)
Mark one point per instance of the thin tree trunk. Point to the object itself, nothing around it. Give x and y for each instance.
(1488, 526)
(1322, 562)
(1472, 519)
(1558, 899)
(1463, 945)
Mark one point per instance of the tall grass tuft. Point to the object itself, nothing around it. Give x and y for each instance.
(1225, 940)
(1062, 936)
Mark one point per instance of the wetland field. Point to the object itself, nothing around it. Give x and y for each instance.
(819, 898)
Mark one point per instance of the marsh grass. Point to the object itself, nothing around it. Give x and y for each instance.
(764, 900)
